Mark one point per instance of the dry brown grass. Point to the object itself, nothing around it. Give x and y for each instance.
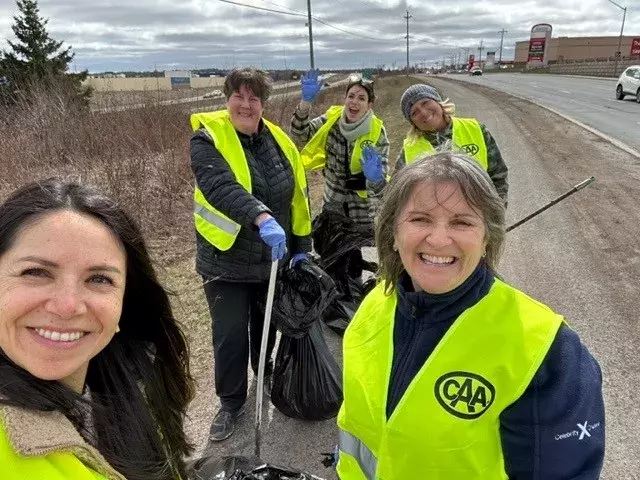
(141, 156)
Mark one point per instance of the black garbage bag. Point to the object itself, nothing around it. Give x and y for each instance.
(340, 312)
(302, 293)
(243, 468)
(307, 381)
(338, 240)
(335, 235)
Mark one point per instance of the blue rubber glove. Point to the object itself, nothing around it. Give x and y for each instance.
(310, 85)
(372, 165)
(298, 257)
(273, 235)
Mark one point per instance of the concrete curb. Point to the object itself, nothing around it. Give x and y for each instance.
(613, 141)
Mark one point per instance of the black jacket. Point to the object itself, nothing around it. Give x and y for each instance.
(272, 183)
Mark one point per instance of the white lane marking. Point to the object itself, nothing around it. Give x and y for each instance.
(565, 91)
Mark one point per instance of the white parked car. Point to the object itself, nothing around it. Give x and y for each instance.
(214, 94)
(629, 83)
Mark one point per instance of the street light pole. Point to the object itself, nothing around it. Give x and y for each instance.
(619, 51)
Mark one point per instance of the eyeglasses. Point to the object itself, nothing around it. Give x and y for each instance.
(358, 78)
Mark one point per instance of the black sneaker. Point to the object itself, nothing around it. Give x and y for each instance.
(224, 424)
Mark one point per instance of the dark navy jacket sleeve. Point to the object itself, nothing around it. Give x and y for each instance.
(555, 430)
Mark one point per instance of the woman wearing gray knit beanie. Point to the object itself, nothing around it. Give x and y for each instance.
(349, 143)
(433, 126)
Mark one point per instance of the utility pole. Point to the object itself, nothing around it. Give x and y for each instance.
(480, 48)
(501, 32)
(310, 34)
(407, 17)
(619, 51)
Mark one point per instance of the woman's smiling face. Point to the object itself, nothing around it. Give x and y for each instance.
(356, 103)
(62, 285)
(439, 237)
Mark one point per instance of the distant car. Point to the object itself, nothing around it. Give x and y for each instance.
(629, 83)
(214, 94)
(475, 71)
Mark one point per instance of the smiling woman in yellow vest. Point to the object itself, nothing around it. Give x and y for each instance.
(434, 125)
(449, 372)
(94, 368)
(348, 142)
(251, 208)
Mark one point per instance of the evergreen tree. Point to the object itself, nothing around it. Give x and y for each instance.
(36, 59)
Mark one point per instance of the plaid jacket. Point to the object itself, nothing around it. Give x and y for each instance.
(336, 170)
(497, 169)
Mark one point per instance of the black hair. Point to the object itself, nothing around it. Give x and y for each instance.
(139, 385)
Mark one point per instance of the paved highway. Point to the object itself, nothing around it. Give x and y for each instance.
(588, 100)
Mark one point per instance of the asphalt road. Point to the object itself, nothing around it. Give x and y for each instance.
(588, 100)
(581, 257)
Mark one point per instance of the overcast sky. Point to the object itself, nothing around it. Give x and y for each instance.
(168, 34)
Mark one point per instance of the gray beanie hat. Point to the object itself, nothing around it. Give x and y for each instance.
(414, 94)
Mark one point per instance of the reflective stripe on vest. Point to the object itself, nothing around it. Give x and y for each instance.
(481, 366)
(351, 445)
(467, 137)
(314, 153)
(219, 221)
(214, 226)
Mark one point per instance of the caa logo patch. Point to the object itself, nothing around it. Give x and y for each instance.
(464, 395)
(470, 148)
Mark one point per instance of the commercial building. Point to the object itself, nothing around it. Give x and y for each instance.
(564, 49)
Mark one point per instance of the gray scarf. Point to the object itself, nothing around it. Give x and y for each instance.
(353, 131)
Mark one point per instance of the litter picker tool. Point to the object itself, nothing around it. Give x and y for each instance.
(263, 352)
(579, 186)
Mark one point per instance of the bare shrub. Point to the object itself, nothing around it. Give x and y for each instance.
(140, 155)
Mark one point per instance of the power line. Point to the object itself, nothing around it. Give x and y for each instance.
(321, 21)
(300, 14)
(284, 6)
(351, 33)
(264, 9)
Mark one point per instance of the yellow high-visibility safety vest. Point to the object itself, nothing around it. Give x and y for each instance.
(213, 225)
(314, 153)
(447, 424)
(60, 464)
(467, 137)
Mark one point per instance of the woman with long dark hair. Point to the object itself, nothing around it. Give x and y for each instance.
(94, 372)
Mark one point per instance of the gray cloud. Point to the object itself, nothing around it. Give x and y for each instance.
(147, 34)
